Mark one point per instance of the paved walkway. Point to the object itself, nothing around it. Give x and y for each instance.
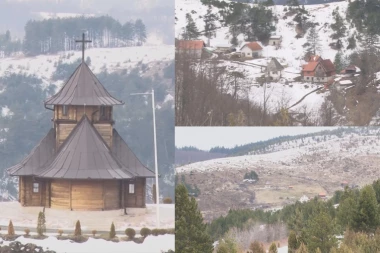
(136, 218)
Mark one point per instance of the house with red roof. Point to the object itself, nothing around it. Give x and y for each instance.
(252, 50)
(318, 70)
(192, 48)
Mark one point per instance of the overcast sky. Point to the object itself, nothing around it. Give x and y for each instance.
(207, 137)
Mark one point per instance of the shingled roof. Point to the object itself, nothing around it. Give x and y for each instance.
(274, 65)
(38, 157)
(83, 88)
(122, 152)
(83, 155)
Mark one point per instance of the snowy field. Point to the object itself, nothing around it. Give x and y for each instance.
(152, 244)
(43, 66)
(293, 152)
(290, 54)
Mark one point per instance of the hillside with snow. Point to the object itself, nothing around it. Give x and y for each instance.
(305, 166)
(102, 59)
(290, 91)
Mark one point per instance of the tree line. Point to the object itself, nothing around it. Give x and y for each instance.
(54, 35)
(254, 22)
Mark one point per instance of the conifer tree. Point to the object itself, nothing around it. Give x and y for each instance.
(257, 247)
(292, 242)
(190, 232)
(227, 246)
(366, 217)
(140, 31)
(338, 26)
(78, 230)
(338, 62)
(314, 41)
(302, 249)
(273, 248)
(210, 26)
(320, 233)
(191, 31)
(11, 230)
(112, 231)
(41, 223)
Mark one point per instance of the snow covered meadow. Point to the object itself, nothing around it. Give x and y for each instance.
(151, 244)
(110, 59)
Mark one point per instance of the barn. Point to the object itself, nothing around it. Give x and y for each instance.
(82, 163)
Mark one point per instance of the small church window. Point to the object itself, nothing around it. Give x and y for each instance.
(64, 110)
(36, 187)
(131, 188)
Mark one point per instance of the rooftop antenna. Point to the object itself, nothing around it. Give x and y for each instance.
(83, 45)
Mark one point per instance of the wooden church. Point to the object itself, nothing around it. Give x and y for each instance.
(82, 163)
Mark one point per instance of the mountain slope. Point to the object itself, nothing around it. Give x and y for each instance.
(287, 171)
(290, 91)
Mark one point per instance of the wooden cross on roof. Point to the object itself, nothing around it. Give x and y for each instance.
(83, 41)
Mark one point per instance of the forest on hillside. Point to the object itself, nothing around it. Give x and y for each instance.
(346, 223)
(29, 121)
(53, 35)
(314, 224)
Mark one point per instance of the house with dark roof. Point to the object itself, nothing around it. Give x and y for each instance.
(82, 163)
(251, 50)
(319, 71)
(275, 40)
(191, 48)
(274, 70)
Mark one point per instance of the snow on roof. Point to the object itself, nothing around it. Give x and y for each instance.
(275, 37)
(337, 79)
(223, 45)
(345, 82)
(357, 69)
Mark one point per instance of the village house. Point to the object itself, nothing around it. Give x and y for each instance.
(350, 70)
(2, 54)
(224, 48)
(192, 48)
(252, 50)
(319, 71)
(274, 70)
(275, 40)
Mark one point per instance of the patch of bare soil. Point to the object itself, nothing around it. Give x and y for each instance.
(280, 184)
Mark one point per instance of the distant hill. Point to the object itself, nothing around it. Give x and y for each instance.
(183, 157)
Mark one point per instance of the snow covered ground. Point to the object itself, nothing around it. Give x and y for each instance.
(290, 54)
(100, 220)
(152, 244)
(110, 59)
(293, 152)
